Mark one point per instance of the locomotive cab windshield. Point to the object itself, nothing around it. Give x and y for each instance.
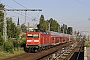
(33, 36)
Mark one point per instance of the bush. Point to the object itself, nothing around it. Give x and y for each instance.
(1, 40)
(8, 46)
(23, 41)
(16, 44)
(23, 36)
(87, 44)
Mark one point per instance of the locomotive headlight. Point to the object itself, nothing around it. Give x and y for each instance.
(36, 40)
(29, 40)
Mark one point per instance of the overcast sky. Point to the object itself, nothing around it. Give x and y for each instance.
(73, 13)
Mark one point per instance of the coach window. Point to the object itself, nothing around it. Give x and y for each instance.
(52, 38)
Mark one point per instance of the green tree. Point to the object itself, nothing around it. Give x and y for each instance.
(8, 46)
(70, 30)
(45, 25)
(41, 19)
(42, 24)
(1, 40)
(1, 19)
(16, 44)
(2, 6)
(12, 30)
(23, 27)
(61, 29)
(22, 40)
(54, 25)
(65, 28)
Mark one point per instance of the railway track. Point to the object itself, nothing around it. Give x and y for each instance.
(78, 52)
(56, 54)
(62, 54)
(45, 54)
(66, 52)
(66, 55)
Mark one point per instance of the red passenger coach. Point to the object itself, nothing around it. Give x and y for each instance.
(56, 38)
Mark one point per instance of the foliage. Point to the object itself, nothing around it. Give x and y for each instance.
(23, 27)
(61, 29)
(23, 41)
(70, 30)
(44, 24)
(53, 25)
(2, 6)
(1, 40)
(12, 30)
(41, 19)
(1, 27)
(23, 36)
(41, 26)
(8, 46)
(87, 43)
(1, 19)
(12, 33)
(65, 28)
(16, 44)
(8, 54)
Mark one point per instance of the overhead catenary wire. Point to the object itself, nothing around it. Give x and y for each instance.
(34, 19)
(13, 11)
(22, 6)
(5, 24)
(19, 4)
(21, 12)
(16, 12)
(82, 3)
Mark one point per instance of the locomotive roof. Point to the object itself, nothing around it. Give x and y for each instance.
(52, 33)
(56, 33)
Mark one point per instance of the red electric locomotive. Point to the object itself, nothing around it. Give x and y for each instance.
(37, 40)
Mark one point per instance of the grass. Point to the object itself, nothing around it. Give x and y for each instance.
(8, 54)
